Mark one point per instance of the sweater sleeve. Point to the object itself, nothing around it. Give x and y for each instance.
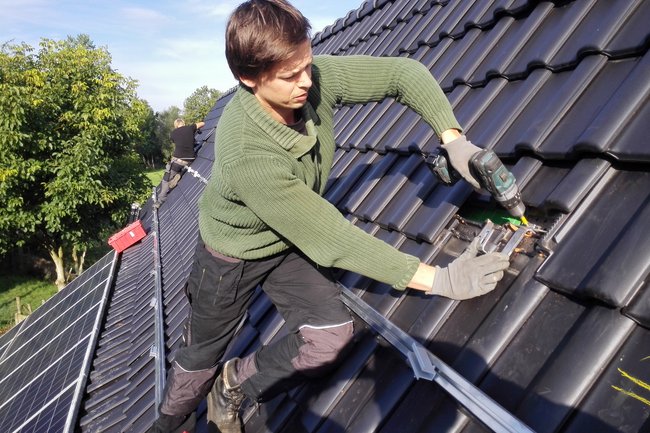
(362, 79)
(308, 221)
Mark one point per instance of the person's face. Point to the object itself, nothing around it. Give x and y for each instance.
(284, 88)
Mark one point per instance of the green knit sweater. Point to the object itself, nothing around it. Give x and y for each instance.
(265, 191)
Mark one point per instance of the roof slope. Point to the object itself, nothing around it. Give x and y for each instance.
(560, 91)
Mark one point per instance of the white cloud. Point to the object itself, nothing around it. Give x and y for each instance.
(188, 49)
(164, 83)
(29, 11)
(144, 16)
(220, 9)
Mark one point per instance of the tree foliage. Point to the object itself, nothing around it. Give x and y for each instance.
(199, 104)
(147, 145)
(164, 126)
(69, 128)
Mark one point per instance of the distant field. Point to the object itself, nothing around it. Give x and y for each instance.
(31, 291)
(155, 176)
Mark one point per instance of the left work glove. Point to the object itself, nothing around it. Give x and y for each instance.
(460, 151)
(469, 276)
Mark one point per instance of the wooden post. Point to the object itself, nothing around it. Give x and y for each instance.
(19, 316)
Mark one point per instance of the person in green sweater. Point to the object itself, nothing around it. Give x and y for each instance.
(263, 219)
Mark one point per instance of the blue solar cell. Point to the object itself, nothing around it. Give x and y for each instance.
(43, 363)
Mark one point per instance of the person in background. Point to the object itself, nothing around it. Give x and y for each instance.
(183, 138)
(263, 220)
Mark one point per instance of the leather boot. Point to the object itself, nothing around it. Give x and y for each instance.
(225, 400)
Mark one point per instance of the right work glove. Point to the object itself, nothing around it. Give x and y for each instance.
(469, 276)
(460, 151)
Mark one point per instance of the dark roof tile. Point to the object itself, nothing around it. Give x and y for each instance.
(610, 266)
(560, 386)
(639, 307)
(578, 182)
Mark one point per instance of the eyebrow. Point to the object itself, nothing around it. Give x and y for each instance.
(298, 69)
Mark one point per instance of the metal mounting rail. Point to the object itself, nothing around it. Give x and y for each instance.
(204, 139)
(427, 366)
(196, 174)
(158, 349)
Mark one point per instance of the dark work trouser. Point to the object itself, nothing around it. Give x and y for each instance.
(220, 290)
(172, 175)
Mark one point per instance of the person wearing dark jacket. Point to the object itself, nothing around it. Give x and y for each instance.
(263, 220)
(183, 138)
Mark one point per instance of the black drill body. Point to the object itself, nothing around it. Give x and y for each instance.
(492, 175)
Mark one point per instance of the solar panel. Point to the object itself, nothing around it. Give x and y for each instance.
(44, 363)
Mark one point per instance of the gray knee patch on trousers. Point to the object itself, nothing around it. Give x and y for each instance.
(321, 347)
(185, 389)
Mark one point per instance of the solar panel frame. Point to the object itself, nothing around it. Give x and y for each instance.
(43, 371)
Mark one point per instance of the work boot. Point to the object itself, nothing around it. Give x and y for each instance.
(225, 400)
(174, 181)
(174, 424)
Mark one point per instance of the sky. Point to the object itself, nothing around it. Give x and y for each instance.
(170, 47)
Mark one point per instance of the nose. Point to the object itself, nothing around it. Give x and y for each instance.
(305, 80)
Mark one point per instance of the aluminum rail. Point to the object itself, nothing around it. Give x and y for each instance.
(427, 366)
(82, 380)
(157, 350)
(196, 174)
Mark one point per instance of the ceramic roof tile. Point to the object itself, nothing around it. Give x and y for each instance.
(397, 213)
(612, 223)
(562, 383)
(387, 187)
(601, 409)
(568, 193)
(638, 308)
(516, 36)
(505, 109)
(484, 44)
(536, 343)
(435, 211)
(541, 46)
(337, 190)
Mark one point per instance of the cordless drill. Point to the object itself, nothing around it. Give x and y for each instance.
(492, 175)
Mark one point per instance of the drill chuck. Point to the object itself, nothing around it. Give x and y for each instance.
(495, 177)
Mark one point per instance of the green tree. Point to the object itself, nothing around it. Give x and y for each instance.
(199, 104)
(69, 126)
(148, 146)
(164, 126)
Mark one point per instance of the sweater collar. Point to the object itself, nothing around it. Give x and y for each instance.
(292, 141)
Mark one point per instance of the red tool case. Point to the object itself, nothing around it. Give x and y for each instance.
(126, 237)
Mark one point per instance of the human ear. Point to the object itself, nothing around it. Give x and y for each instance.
(248, 82)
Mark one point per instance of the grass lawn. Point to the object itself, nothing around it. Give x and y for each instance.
(30, 290)
(155, 176)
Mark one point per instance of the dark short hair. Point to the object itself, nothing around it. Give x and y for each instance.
(261, 33)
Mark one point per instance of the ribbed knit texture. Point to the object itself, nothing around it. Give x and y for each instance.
(264, 194)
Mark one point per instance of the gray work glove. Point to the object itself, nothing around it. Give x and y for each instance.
(460, 151)
(469, 276)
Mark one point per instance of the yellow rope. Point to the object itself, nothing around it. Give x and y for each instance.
(636, 381)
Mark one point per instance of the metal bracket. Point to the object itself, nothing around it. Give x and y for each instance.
(501, 239)
(484, 237)
(515, 240)
(196, 174)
